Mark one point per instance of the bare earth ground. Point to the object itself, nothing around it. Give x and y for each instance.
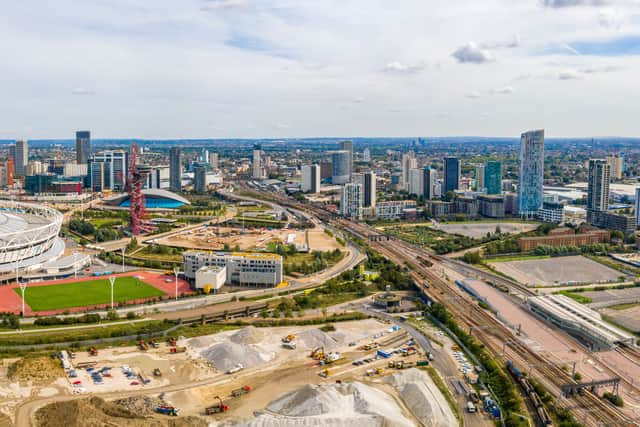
(480, 229)
(557, 271)
(628, 318)
(613, 296)
(214, 238)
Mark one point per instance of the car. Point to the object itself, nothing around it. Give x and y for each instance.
(106, 374)
(135, 383)
(77, 383)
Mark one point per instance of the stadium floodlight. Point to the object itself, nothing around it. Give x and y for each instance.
(112, 281)
(23, 287)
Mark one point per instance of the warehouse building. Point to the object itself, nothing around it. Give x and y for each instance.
(242, 269)
(582, 322)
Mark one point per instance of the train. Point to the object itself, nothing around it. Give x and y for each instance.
(543, 417)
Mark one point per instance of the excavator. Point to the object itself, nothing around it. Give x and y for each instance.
(217, 409)
(318, 353)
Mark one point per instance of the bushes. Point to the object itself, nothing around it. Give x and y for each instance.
(472, 257)
(51, 321)
(613, 398)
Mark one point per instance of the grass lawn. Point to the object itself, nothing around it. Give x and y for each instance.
(516, 258)
(91, 292)
(624, 306)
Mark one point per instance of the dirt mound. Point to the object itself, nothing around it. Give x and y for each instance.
(5, 421)
(248, 335)
(38, 370)
(140, 405)
(96, 412)
(423, 398)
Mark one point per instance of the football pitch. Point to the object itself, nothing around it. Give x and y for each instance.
(87, 293)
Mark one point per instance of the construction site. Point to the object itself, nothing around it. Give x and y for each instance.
(360, 373)
(209, 237)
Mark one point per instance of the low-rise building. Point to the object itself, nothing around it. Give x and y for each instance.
(564, 237)
(261, 270)
(551, 211)
(393, 209)
(612, 221)
(491, 206)
(211, 277)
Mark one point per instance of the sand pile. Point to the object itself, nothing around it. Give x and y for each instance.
(95, 412)
(248, 335)
(336, 405)
(423, 398)
(227, 355)
(38, 370)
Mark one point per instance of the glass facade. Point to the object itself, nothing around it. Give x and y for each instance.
(531, 173)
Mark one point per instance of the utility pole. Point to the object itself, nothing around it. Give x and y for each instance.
(176, 271)
(112, 281)
(123, 250)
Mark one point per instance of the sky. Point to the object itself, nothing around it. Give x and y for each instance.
(304, 68)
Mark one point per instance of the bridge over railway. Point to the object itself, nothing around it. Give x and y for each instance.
(573, 389)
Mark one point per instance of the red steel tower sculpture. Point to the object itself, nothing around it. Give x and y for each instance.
(135, 182)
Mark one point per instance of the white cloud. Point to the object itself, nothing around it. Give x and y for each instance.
(211, 5)
(569, 75)
(358, 100)
(507, 90)
(610, 19)
(473, 95)
(572, 3)
(399, 67)
(472, 53)
(82, 91)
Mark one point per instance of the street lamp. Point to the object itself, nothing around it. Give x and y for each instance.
(123, 249)
(112, 281)
(176, 271)
(23, 287)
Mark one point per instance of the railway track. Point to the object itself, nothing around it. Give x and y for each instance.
(594, 411)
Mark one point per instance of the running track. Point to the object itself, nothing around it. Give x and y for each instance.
(10, 301)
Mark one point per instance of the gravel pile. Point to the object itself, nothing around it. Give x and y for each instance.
(423, 398)
(227, 355)
(314, 338)
(336, 405)
(248, 335)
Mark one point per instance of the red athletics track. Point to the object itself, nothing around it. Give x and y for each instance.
(11, 302)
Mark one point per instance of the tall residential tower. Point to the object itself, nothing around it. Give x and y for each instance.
(83, 147)
(175, 169)
(531, 173)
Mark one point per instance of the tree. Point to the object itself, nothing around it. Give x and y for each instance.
(472, 257)
(617, 234)
(498, 229)
(112, 315)
(449, 196)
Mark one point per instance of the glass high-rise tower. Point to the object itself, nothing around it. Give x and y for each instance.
(493, 177)
(451, 174)
(531, 173)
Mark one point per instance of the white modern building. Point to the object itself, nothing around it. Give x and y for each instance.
(409, 162)
(261, 270)
(341, 164)
(416, 182)
(211, 276)
(256, 164)
(393, 209)
(369, 188)
(351, 199)
(310, 179)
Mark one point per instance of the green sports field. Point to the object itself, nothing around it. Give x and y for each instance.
(87, 293)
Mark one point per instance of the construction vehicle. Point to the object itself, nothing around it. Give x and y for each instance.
(143, 345)
(93, 351)
(409, 351)
(157, 372)
(217, 409)
(177, 349)
(332, 357)
(72, 354)
(325, 373)
(291, 345)
(318, 353)
(406, 365)
(240, 391)
(377, 371)
(422, 363)
(168, 410)
(171, 342)
(154, 344)
(289, 338)
(371, 346)
(235, 369)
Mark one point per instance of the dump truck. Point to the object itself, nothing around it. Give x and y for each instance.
(171, 342)
(409, 351)
(177, 349)
(168, 410)
(154, 344)
(289, 338)
(325, 373)
(291, 345)
(406, 365)
(93, 351)
(217, 408)
(332, 357)
(240, 391)
(371, 346)
(143, 345)
(377, 371)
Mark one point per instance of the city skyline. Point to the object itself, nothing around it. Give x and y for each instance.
(249, 69)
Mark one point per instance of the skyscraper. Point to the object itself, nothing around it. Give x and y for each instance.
(416, 182)
(351, 200)
(429, 180)
(200, 179)
(340, 163)
(20, 155)
(598, 189)
(348, 146)
(310, 179)
(480, 182)
(83, 147)
(256, 164)
(493, 177)
(409, 162)
(451, 174)
(213, 161)
(175, 169)
(368, 182)
(531, 173)
(637, 207)
(366, 155)
(616, 165)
